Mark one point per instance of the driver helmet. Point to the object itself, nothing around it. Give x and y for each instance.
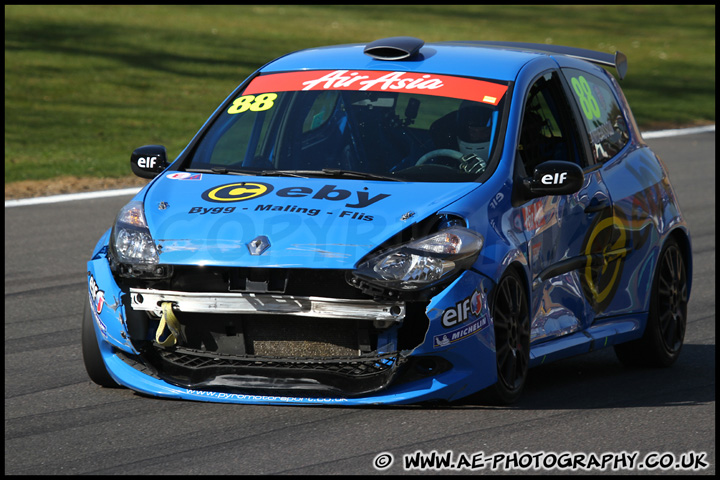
(474, 129)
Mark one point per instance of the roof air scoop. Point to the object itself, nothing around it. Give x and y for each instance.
(394, 48)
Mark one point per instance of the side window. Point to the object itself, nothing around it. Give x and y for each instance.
(548, 131)
(607, 131)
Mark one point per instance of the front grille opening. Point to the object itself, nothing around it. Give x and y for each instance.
(278, 335)
(292, 336)
(292, 355)
(305, 337)
(299, 282)
(256, 280)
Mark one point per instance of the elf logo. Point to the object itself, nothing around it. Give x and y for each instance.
(96, 295)
(556, 179)
(238, 192)
(462, 310)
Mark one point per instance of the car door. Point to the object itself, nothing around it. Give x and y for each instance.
(566, 234)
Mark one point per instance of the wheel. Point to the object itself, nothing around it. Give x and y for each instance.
(441, 152)
(510, 313)
(664, 334)
(94, 364)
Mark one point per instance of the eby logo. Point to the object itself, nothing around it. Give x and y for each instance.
(237, 192)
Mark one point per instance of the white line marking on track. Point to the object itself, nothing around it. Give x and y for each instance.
(68, 197)
(677, 132)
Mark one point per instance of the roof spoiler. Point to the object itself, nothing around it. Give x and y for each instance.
(618, 60)
(394, 48)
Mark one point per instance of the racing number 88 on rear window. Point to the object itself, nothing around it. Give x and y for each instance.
(606, 128)
(589, 105)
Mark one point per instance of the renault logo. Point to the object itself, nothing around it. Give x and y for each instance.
(258, 245)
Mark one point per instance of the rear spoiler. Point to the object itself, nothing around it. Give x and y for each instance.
(618, 60)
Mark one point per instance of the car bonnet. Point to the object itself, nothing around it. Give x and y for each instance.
(208, 219)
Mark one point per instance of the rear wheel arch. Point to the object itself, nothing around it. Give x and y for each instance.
(664, 332)
(683, 241)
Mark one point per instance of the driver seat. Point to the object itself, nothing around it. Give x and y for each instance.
(443, 131)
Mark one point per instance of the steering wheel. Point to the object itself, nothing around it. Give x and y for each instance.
(440, 152)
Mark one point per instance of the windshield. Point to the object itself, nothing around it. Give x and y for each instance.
(380, 125)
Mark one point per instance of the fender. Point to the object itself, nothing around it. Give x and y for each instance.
(106, 303)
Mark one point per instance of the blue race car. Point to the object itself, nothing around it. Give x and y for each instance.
(393, 223)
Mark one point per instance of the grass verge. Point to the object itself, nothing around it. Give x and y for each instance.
(85, 85)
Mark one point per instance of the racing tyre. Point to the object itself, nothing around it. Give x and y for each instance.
(510, 313)
(94, 364)
(664, 334)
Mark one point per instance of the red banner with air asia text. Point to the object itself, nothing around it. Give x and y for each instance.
(379, 81)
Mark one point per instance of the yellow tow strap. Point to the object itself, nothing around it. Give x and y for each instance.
(170, 321)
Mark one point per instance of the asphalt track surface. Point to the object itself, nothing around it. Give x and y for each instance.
(58, 422)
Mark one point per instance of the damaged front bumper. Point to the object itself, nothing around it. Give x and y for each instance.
(292, 349)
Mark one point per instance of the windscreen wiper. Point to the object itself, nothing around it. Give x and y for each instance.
(234, 171)
(247, 171)
(328, 172)
(325, 172)
(224, 171)
(287, 173)
(352, 173)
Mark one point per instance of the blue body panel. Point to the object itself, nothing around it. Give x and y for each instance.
(328, 223)
(441, 59)
(105, 300)
(313, 223)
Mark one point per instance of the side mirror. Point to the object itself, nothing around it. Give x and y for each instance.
(554, 177)
(148, 161)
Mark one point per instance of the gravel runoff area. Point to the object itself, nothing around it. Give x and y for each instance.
(61, 185)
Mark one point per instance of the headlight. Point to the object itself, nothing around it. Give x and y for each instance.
(131, 241)
(423, 262)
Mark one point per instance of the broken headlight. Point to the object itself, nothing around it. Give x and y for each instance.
(131, 244)
(422, 262)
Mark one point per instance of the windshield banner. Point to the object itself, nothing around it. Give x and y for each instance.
(375, 81)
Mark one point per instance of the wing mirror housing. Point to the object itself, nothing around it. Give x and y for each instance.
(554, 177)
(148, 161)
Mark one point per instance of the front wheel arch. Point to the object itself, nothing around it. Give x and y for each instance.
(92, 358)
(510, 307)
